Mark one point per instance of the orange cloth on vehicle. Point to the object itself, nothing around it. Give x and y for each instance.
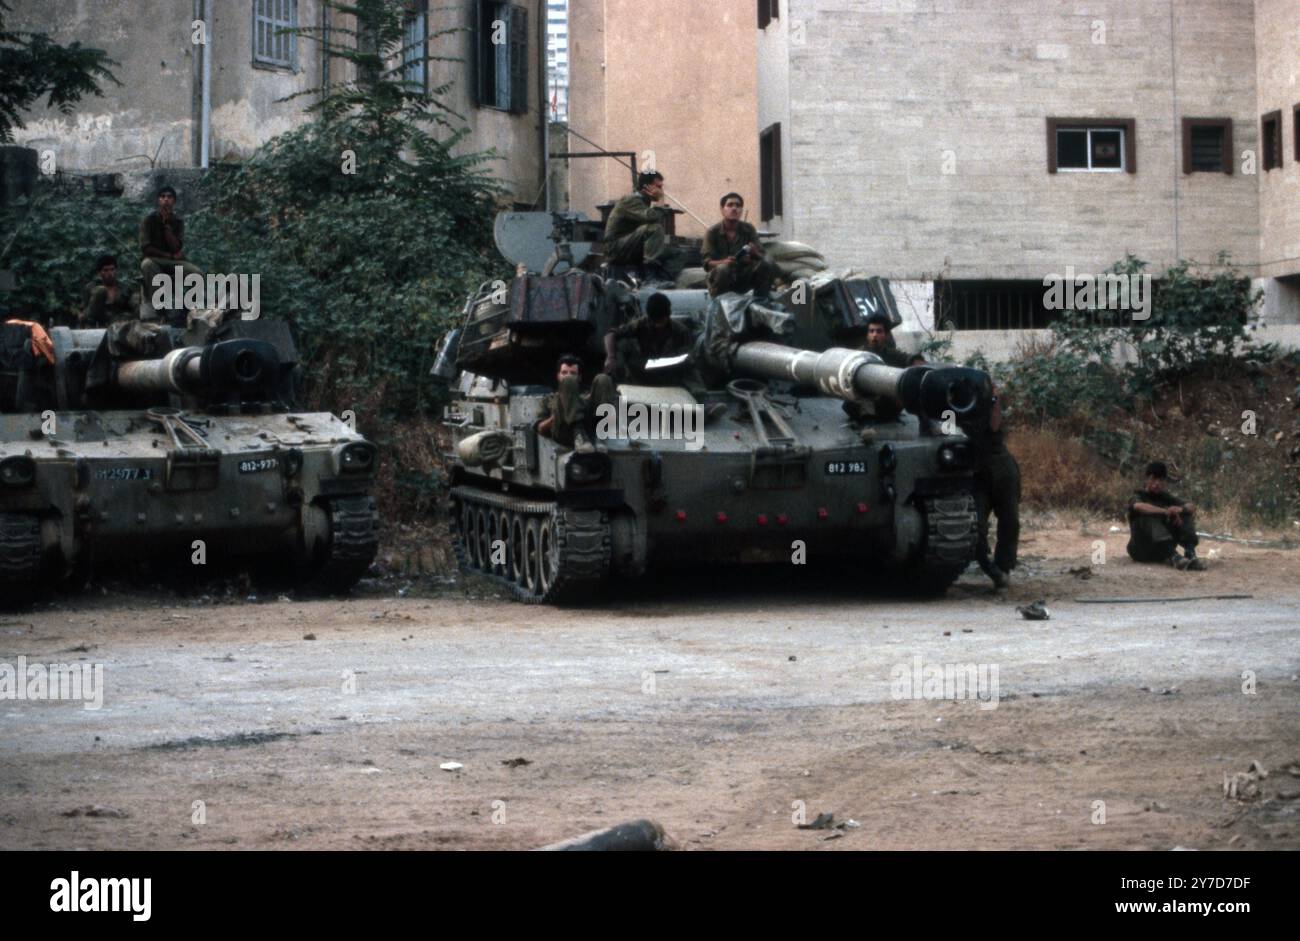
(41, 343)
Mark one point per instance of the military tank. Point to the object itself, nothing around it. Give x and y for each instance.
(163, 444)
(825, 452)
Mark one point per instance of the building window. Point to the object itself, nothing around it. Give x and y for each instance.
(1295, 126)
(501, 56)
(769, 171)
(272, 46)
(1091, 145)
(1207, 145)
(768, 10)
(414, 46)
(1270, 135)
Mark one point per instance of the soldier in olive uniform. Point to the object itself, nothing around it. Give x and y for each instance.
(107, 300)
(997, 490)
(880, 340)
(636, 232)
(569, 416)
(162, 235)
(733, 256)
(1159, 523)
(652, 336)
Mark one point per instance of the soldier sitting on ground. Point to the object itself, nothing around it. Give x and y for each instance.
(107, 300)
(1159, 523)
(569, 415)
(162, 235)
(733, 256)
(636, 232)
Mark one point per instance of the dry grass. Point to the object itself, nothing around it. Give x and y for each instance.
(1059, 473)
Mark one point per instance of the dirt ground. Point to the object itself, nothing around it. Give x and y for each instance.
(720, 707)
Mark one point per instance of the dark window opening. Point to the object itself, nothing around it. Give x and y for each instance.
(1207, 145)
(768, 10)
(501, 56)
(1021, 305)
(769, 171)
(1091, 145)
(1270, 134)
(1295, 126)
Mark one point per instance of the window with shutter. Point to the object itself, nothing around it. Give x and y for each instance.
(272, 46)
(518, 60)
(414, 45)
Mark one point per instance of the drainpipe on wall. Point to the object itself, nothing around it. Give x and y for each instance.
(543, 53)
(205, 147)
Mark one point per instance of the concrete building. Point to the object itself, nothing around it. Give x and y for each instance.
(675, 82)
(982, 146)
(157, 113)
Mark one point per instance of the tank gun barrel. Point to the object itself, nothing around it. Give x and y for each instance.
(231, 364)
(855, 374)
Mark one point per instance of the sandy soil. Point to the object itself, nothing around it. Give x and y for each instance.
(718, 707)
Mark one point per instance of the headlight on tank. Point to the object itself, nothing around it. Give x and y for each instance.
(16, 472)
(356, 458)
(956, 456)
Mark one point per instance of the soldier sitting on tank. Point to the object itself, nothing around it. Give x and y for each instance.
(1159, 523)
(654, 335)
(880, 340)
(107, 300)
(569, 415)
(733, 256)
(162, 234)
(636, 232)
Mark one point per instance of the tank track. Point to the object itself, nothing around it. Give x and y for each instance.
(553, 554)
(20, 556)
(354, 542)
(952, 528)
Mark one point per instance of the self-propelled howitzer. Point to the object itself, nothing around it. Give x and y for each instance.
(796, 456)
(175, 446)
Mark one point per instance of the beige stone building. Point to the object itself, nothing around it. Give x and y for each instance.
(984, 145)
(673, 81)
(158, 111)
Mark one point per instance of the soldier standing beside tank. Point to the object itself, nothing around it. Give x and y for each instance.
(162, 244)
(107, 299)
(733, 256)
(636, 232)
(569, 415)
(997, 490)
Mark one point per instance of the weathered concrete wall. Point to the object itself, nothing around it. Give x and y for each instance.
(1277, 30)
(972, 84)
(158, 101)
(675, 80)
(517, 138)
(150, 112)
